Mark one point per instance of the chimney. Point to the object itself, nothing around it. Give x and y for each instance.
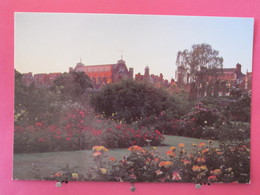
(131, 73)
(238, 67)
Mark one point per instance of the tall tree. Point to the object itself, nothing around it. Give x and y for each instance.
(200, 67)
(201, 58)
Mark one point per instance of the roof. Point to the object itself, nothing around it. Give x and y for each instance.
(92, 66)
(229, 69)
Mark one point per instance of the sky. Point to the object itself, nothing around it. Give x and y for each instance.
(53, 42)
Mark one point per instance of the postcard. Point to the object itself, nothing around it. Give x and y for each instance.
(132, 98)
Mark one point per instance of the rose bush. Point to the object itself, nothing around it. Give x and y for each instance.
(80, 130)
(229, 163)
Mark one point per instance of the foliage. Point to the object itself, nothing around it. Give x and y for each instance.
(230, 163)
(72, 85)
(131, 101)
(33, 104)
(80, 129)
(201, 58)
(228, 131)
(201, 116)
(240, 110)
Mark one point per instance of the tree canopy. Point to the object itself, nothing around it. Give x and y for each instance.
(131, 100)
(72, 85)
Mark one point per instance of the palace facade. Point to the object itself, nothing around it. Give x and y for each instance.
(99, 74)
(105, 73)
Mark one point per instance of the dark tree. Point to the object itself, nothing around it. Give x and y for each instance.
(200, 58)
(72, 85)
(200, 66)
(33, 104)
(130, 100)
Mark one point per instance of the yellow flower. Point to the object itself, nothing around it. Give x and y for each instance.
(203, 168)
(100, 148)
(196, 168)
(181, 145)
(229, 169)
(75, 175)
(103, 171)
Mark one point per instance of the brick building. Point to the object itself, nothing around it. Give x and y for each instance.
(157, 80)
(217, 84)
(106, 73)
(42, 80)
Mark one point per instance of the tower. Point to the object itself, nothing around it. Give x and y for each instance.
(146, 72)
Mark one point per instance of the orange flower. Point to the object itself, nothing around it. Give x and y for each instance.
(112, 159)
(216, 172)
(181, 145)
(204, 151)
(136, 149)
(186, 162)
(199, 160)
(170, 153)
(165, 164)
(201, 144)
(173, 148)
(196, 168)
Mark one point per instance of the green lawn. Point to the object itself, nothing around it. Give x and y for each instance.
(40, 165)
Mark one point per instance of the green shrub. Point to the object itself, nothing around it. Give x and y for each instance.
(131, 101)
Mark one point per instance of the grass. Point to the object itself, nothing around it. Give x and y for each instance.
(36, 166)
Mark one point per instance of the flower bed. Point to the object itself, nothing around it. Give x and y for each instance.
(204, 164)
(80, 130)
